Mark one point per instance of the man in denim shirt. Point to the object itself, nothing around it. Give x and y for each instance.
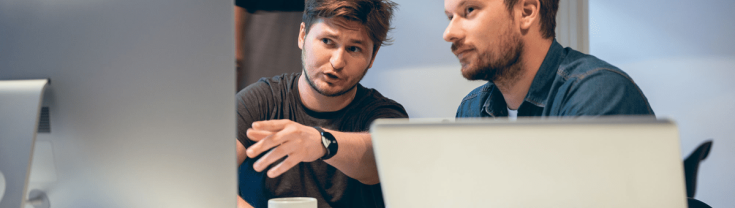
(511, 44)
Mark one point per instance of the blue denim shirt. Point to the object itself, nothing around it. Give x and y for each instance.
(568, 83)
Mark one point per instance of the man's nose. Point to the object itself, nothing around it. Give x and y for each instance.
(338, 59)
(453, 31)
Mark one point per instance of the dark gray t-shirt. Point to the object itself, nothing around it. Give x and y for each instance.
(278, 98)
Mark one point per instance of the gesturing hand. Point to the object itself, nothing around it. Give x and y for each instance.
(300, 143)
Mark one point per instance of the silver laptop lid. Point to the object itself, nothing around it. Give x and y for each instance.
(609, 162)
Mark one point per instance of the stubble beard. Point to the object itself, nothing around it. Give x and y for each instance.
(502, 68)
(321, 91)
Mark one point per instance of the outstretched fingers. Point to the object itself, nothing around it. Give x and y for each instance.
(257, 135)
(271, 125)
(268, 142)
(274, 155)
(284, 166)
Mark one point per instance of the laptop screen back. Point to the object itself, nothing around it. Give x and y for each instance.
(615, 162)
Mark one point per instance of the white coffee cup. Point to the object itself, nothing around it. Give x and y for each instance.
(292, 202)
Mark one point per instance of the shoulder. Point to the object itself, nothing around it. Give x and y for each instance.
(281, 82)
(600, 87)
(270, 86)
(262, 96)
(477, 92)
(582, 70)
(577, 66)
(471, 104)
(579, 70)
(370, 100)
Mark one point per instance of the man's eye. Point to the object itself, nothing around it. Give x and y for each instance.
(326, 41)
(354, 49)
(470, 10)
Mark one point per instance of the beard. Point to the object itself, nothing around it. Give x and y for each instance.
(323, 91)
(503, 65)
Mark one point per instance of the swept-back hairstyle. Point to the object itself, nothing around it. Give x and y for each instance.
(547, 12)
(375, 15)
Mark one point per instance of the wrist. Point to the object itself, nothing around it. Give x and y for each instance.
(328, 142)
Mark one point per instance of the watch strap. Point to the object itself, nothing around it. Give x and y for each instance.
(329, 142)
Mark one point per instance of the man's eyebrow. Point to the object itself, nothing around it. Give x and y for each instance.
(331, 36)
(354, 41)
(460, 5)
(466, 2)
(358, 41)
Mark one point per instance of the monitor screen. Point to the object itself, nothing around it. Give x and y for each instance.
(141, 100)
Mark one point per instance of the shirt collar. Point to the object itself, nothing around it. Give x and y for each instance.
(538, 93)
(495, 105)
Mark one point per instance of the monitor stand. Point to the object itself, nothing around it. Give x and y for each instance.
(2, 186)
(19, 113)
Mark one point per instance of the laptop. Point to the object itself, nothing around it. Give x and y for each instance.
(603, 162)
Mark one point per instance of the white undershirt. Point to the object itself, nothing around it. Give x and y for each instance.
(512, 114)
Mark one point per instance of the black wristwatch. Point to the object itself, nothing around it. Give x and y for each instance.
(329, 142)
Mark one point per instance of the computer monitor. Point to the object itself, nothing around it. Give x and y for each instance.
(141, 102)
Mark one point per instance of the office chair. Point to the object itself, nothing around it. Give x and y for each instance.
(691, 167)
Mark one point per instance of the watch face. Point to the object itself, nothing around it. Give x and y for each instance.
(326, 141)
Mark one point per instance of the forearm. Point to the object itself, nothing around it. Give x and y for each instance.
(355, 157)
(299, 143)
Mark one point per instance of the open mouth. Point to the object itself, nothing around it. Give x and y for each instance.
(331, 76)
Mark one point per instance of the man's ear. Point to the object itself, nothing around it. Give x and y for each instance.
(375, 53)
(529, 13)
(302, 35)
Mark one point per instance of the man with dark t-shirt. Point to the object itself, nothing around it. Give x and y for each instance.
(305, 134)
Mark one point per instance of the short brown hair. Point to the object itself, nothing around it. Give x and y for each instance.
(547, 11)
(375, 15)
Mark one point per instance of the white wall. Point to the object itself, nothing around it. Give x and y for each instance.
(682, 55)
(419, 70)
